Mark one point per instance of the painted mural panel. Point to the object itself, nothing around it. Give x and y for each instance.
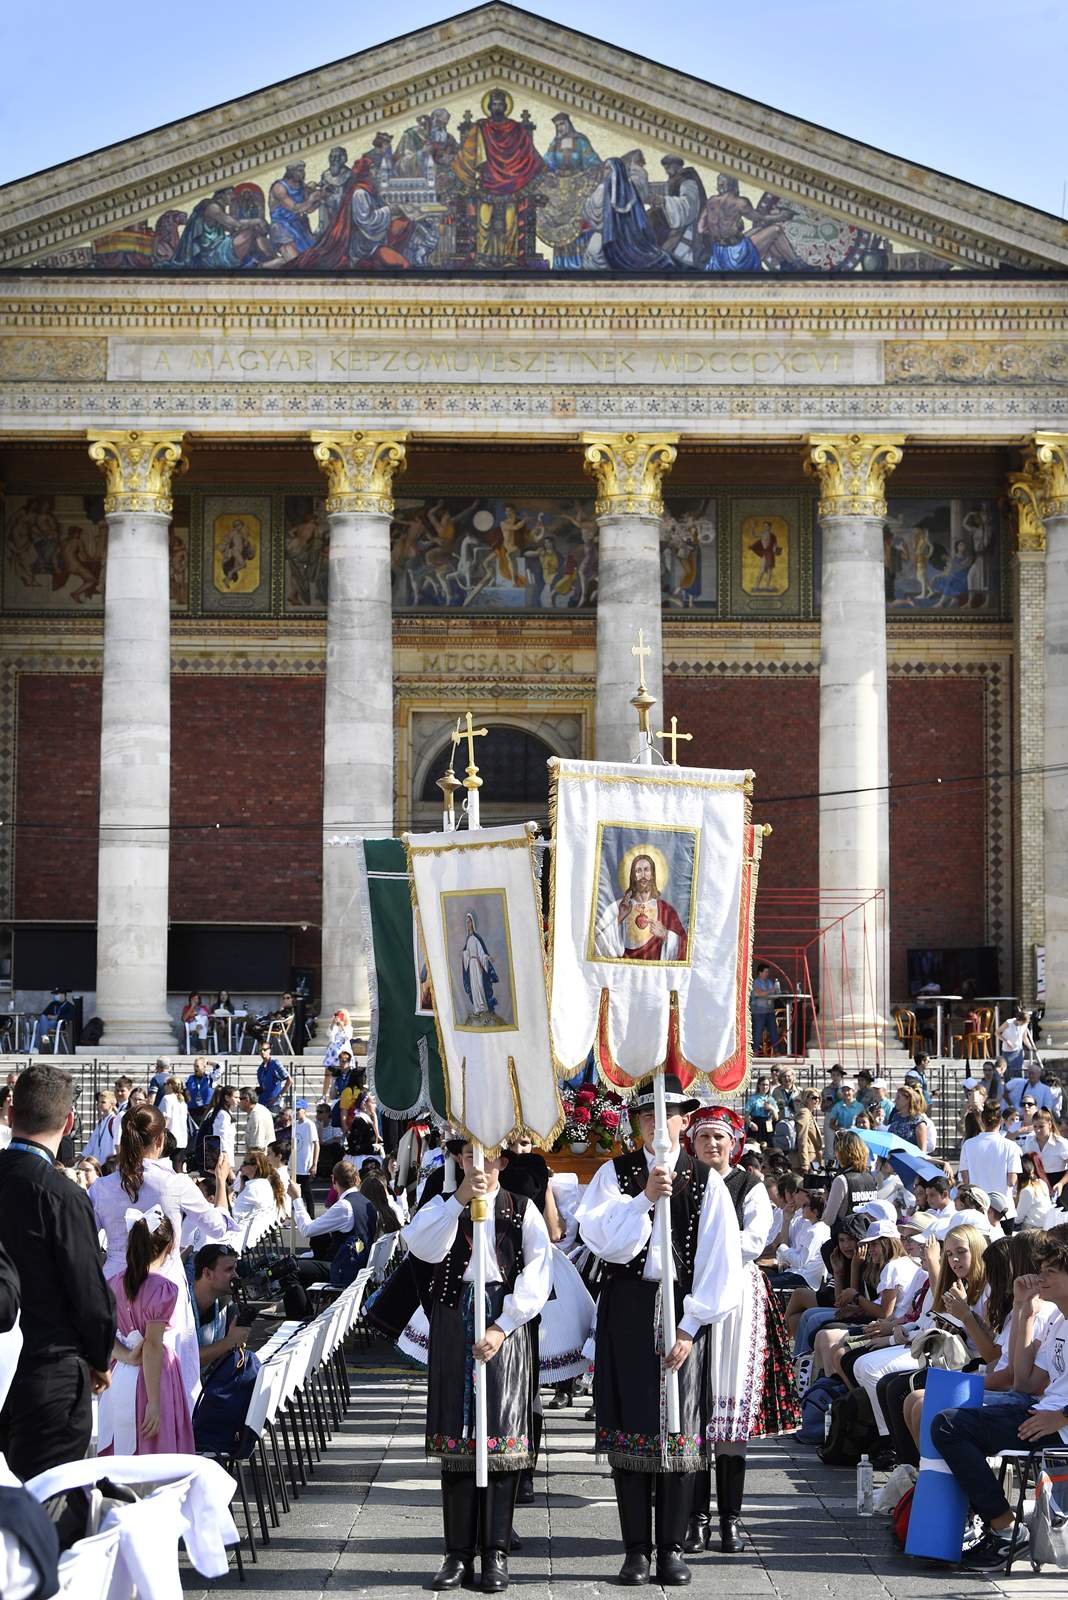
(236, 553)
(55, 549)
(533, 553)
(765, 555)
(487, 184)
(306, 541)
(942, 557)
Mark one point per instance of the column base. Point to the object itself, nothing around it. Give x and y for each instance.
(138, 1036)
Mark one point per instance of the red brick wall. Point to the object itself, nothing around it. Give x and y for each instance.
(937, 855)
(246, 752)
(937, 867)
(57, 796)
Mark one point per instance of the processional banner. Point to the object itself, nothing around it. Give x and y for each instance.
(479, 906)
(403, 1064)
(653, 891)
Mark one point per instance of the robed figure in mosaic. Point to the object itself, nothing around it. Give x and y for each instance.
(518, 1283)
(615, 1220)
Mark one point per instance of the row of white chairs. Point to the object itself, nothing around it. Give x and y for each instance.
(301, 1395)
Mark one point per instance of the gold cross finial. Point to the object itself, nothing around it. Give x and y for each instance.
(450, 782)
(472, 781)
(673, 738)
(641, 650)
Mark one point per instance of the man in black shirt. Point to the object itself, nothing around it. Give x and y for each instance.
(48, 1229)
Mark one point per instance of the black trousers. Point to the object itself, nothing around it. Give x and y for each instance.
(891, 1392)
(48, 1417)
(634, 1502)
(477, 1518)
(304, 1184)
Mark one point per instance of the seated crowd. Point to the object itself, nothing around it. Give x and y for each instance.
(885, 1264)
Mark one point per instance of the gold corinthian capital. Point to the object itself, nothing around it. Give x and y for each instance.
(852, 469)
(138, 468)
(1041, 489)
(360, 468)
(628, 468)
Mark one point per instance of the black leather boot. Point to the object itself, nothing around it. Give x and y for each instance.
(674, 1502)
(699, 1528)
(634, 1502)
(497, 1530)
(730, 1490)
(459, 1513)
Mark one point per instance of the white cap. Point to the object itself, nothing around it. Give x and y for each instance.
(883, 1210)
(972, 1219)
(881, 1228)
(971, 1083)
(981, 1196)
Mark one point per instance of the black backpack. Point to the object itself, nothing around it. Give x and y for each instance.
(853, 1432)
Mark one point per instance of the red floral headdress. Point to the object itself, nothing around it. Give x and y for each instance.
(730, 1120)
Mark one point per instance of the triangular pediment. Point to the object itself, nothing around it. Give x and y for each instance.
(498, 142)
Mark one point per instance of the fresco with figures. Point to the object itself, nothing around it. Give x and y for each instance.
(492, 186)
(55, 551)
(942, 557)
(492, 553)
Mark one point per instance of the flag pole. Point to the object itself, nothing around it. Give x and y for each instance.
(449, 785)
(642, 702)
(480, 1207)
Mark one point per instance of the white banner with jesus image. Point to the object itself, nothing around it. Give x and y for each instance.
(653, 882)
(479, 913)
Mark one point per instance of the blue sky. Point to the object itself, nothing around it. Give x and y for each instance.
(972, 87)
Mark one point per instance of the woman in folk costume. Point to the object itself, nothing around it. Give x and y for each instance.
(749, 1377)
(518, 1280)
(615, 1218)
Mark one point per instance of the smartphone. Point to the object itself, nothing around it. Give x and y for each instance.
(212, 1152)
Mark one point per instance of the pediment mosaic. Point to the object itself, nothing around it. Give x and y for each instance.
(492, 182)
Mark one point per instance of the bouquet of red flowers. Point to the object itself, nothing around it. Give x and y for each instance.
(592, 1115)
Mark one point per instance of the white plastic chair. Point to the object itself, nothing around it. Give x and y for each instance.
(88, 1566)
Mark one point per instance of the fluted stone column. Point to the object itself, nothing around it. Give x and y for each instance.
(854, 806)
(358, 724)
(1044, 481)
(1029, 738)
(135, 741)
(628, 468)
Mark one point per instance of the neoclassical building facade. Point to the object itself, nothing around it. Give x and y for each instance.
(423, 383)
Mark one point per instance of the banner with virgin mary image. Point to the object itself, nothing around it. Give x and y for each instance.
(653, 890)
(478, 903)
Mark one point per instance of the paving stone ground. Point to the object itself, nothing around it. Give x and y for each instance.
(369, 1525)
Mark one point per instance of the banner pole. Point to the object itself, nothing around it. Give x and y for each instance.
(642, 703)
(480, 1207)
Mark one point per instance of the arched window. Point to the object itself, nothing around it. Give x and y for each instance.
(512, 763)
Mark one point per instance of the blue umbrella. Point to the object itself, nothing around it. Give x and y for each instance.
(907, 1160)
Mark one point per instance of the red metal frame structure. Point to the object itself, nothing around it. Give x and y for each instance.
(832, 945)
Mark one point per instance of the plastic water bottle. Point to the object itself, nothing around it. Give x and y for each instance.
(865, 1488)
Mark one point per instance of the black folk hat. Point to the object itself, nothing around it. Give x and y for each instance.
(678, 1101)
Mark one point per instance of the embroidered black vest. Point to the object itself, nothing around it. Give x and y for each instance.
(448, 1280)
(739, 1182)
(687, 1193)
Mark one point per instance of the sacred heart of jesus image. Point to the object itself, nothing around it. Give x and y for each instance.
(478, 948)
(643, 894)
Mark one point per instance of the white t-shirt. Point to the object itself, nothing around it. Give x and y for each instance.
(305, 1139)
(902, 1274)
(1052, 1357)
(175, 1114)
(1054, 1154)
(1043, 1316)
(1033, 1206)
(990, 1160)
(1011, 1035)
(223, 1129)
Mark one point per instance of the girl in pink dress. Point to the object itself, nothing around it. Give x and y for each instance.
(146, 1411)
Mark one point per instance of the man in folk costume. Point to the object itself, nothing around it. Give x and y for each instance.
(615, 1219)
(518, 1280)
(749, 1373)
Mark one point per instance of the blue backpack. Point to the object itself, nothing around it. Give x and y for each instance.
(816, 1402)
(220, 1412)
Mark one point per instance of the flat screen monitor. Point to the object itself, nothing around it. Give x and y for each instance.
(952, 965)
